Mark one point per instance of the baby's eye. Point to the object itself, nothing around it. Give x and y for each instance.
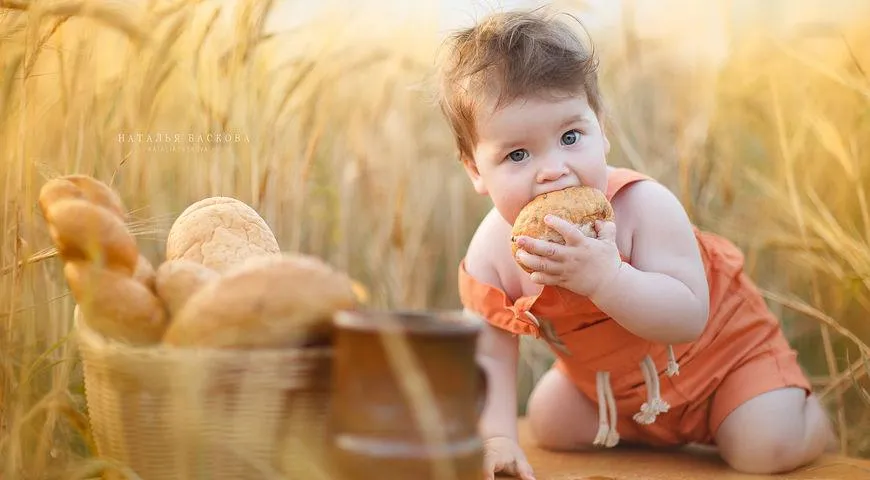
(570, 137)
(518, 155)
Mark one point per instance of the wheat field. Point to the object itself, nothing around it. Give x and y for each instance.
(326, 126)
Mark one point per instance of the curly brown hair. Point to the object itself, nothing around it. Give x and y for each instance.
(507, 56)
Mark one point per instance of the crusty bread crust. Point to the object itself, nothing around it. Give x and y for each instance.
(219, 233)
(116, 305)
(265, 302)
(581, 206)
(81, 187)
(82, 230)
(112, 283)
(177, 280)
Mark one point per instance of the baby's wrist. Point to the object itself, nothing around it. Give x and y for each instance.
(609, 284)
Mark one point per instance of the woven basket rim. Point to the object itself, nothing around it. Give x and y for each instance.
(97, 342)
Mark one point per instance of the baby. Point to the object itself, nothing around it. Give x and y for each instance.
(661, 338)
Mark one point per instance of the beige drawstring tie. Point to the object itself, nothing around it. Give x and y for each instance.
(673, 366)
(607, 435)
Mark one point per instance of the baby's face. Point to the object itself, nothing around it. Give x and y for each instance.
(537, 145)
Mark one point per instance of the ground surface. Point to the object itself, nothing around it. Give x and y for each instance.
(695, 464)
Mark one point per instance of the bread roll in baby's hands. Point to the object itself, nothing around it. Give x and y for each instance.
(285, 300)
(581, 206)
(219, 233)
(177, 280)
(116, 305)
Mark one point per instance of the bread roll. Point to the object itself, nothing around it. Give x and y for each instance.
(84, 231)
(116, 305)
(219, 233)
(270, 301)
(581, 206)
(177, 280)
(82, 187)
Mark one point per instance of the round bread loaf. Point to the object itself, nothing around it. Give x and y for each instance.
(82, 187)
(115, 305)
(177, 280)
(82, 230)
(277, 301)
(581, 206)
(219, 233)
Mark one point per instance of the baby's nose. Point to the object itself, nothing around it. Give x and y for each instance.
(551, 171)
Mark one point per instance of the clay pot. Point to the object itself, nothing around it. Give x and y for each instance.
(396, 375)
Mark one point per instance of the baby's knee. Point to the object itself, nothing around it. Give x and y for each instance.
(773, 433)
(767, 452)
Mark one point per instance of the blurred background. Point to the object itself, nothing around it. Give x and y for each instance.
(756, 114)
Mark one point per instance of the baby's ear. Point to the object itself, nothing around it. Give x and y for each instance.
(473, 174)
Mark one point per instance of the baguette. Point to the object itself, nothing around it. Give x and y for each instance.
(220, 233)
(115, 305)
(266, 302)
(177, 280)
(84, 231)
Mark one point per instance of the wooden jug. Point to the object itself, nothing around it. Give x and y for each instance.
(407, 396)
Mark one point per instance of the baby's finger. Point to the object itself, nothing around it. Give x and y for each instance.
(606, 231)
(545, 278)
(569, 231)
(541, 248)
(489, 467)
(524, 471)
(539, 264)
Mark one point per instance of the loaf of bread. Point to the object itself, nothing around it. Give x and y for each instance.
(81, 187)
(111, 282)
(273, 301)
(581, 206)
(177, 280)
(219, 233)
(116, 305)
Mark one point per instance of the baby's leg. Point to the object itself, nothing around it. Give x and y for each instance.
(560, 416)
(774, 432)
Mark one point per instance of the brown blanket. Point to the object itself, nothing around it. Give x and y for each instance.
(624, 463)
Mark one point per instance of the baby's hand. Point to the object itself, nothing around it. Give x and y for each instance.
(503, 455)
(583, 265)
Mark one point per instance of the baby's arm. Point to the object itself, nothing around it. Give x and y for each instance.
(498, 354)
(497, 350)
(664, 296)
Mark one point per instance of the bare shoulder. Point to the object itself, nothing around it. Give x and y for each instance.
(662, 235)
(488, 249)
(647, 200)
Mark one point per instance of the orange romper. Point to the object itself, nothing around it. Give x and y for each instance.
(662, 395)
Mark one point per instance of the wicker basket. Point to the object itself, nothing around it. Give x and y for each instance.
(170, 413)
